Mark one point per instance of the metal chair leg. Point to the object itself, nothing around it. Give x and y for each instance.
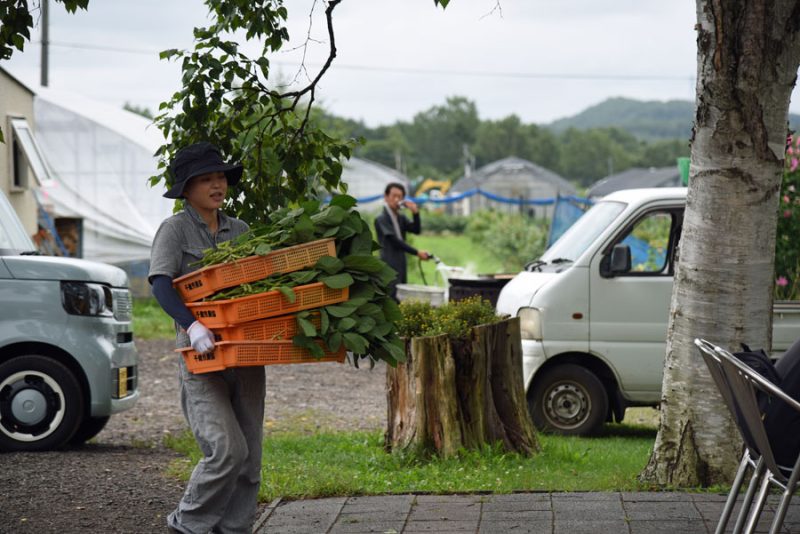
(783, 507)
(747, 502)
(730, 502)
(755, 514)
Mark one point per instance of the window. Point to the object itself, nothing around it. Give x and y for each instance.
(19, 164)
(652, 241)
(26, 155)
(649, 243)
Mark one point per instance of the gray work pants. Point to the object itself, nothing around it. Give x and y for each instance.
(225, 411)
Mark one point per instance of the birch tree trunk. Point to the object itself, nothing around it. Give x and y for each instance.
(748, 55)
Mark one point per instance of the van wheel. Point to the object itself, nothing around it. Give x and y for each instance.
(568, 399)
(41, 404)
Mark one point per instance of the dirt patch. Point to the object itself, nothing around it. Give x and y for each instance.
(117, 483)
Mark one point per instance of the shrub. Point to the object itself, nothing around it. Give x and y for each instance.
(455, 319)
(787, 246)
(512, 238)
(434, 222)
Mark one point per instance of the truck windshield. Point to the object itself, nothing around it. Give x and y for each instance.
(13, 237)
(580, 235)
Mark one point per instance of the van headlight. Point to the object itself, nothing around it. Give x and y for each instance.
(530, 323)
(83, 298)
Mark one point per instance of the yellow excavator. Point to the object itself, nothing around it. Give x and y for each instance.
(430, 184)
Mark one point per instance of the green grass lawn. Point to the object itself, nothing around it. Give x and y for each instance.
(301, 465)
(453, 250)
(150, 321)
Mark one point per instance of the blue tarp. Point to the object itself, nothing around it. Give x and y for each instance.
(490, 196)
(566, 212)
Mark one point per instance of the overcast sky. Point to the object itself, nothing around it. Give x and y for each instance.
(538, 59)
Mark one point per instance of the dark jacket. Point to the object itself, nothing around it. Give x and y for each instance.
(393, 250)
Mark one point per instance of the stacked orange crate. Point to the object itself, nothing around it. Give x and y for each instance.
(256, 330)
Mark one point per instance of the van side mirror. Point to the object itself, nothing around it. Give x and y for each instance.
(620, 259)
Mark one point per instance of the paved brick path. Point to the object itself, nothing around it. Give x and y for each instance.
(556, 513)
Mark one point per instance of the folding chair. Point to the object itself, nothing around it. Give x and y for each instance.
(738, 385)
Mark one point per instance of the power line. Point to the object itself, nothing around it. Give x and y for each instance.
(440, 72)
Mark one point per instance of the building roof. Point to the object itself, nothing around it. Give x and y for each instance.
(365, 178)
(522, 170)
(16, 80)
(636, 178)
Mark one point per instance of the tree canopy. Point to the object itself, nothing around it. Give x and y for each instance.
(439, 141)
(16, 21)
(227, 98)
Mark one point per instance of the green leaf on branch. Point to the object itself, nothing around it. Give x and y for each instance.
(365, 325)
(330, 216)
(386, 275)
(329, 264)
(355, 342)
(343, 201)
(335, 341)
(307, 327)
(288, 293)
(303, 229)
(263, 249)
(346, 323)
(303, 277)
(361, 243)
(340, 310)
(308, 344)
(337, 281)
(364, 263)
(324, 321)
(391, 310)
(370, 308)
(310, 206)
(381, 329)
(365, 291)
(396, 349)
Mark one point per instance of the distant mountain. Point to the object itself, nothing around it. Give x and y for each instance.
(649, 120)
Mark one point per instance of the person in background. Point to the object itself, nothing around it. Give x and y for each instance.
(391, 227)
(45, 242)
(224, 409)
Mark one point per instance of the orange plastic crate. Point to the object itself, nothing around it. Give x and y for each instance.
(208, 280)
(253, 353)
(277, 328)
(232, 312)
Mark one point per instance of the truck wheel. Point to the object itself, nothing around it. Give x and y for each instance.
(89, 428)
(41, 404)
(568, 399)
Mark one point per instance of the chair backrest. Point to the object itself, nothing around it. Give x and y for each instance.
(738, 384)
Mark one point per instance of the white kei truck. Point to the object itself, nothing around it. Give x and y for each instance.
(67, 357)
(594, 311)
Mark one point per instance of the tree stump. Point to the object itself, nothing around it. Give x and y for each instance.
(460, 394)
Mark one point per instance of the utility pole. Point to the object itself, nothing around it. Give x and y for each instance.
(45, 41)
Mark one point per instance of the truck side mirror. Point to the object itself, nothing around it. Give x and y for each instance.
(620, 259)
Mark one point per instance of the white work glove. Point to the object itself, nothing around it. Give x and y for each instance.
(201, 337)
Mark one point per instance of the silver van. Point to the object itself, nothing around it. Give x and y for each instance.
(67, 356)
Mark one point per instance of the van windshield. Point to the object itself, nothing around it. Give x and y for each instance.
(580, 235)
(12, 234)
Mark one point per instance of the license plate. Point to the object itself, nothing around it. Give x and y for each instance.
(122, 390)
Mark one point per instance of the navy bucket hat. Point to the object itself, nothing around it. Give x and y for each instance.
(195, 160)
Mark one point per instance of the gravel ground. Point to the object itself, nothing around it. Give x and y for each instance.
(117, 482)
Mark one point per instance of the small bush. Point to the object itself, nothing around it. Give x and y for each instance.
(787, 246)
(434, 222)
(514, 239)
(455, 319)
